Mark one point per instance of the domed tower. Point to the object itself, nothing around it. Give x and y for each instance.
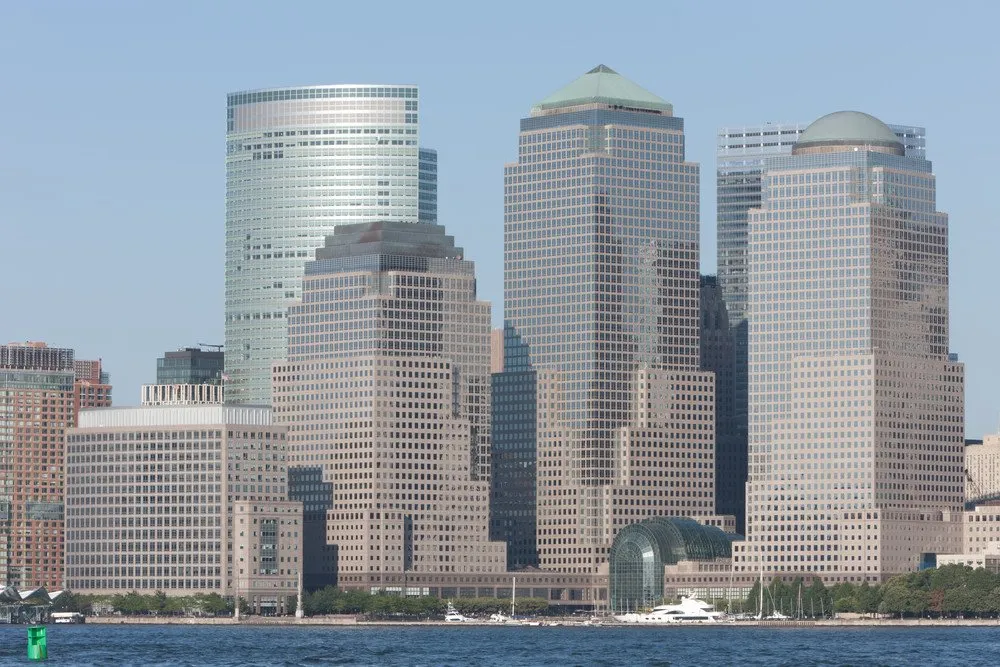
(848, 130)
(856, 409)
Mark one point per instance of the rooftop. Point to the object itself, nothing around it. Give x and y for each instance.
(848, 128)
(603, 85)
(409, 239)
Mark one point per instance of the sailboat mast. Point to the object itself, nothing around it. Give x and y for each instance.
(760, 593)
(513, 592)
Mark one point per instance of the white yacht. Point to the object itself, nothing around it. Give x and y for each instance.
(453, 616)
(689, 610)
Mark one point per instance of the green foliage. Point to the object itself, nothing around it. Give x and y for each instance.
(161, 604)
(949, 591)
(331, 600)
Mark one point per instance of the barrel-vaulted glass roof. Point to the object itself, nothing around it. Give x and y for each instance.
(641, 550)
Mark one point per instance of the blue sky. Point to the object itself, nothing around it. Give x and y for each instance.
(112, 181)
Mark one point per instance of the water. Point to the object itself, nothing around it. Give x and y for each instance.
(508, 646)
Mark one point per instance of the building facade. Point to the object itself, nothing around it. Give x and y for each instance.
(601, 285)
(741, 154)
(42, 391)
(982, 466)
(857, 410)
(299, 162)
(191, 365)
(182, 497)
(91, 385)
(386, 395)
(718, 355)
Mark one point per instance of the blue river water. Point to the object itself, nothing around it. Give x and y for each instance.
(551, 646)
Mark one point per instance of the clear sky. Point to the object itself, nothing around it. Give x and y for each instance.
(112, 179)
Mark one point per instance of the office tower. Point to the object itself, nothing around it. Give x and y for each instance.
(740, 157)
(42, 390)
(513, 485)
(190, 365)
(386, 397)
(182, 497)
(718, 355)
(601, 290)
(299, 162)
(856, 410)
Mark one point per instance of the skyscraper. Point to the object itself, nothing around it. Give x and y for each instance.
(299, 162)
(386, 397)
(40, 397)
(601, 296)
(856, 410)
(740, 157)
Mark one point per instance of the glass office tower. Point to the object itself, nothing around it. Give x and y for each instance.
(300, 162)
(856, 409)
(601, 281)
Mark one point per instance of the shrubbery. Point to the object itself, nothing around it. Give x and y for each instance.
(949, 591)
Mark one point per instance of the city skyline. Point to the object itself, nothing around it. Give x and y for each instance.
(104, 201)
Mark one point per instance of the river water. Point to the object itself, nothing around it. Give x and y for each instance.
(479, 645)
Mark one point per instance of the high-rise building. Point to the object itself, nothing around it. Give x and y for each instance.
(190, 365)
(740, 157)
(42, 390)
(299, 162)
(182, 496)
(386, 395)
(856, 407)
(718, 355)
(601, 289)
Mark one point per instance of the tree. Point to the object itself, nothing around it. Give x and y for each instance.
(868, 598)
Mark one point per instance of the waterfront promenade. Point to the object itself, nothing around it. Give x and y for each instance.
(349, 620)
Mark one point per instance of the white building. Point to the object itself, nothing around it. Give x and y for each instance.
(183, 498)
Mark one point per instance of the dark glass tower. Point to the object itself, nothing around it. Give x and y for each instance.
(718, 355)
(191, 365)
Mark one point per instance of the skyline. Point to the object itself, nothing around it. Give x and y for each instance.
(144, 140)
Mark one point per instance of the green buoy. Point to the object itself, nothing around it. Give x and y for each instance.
(37, 646)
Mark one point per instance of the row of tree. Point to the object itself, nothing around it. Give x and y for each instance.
(158, 603)
(328, 600)
(332, 600)
(952, 590)
(949, 591)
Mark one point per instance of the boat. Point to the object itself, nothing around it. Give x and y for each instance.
(452, 615)
(67, 617)
(689, 610)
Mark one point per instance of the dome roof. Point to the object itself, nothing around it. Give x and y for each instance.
(849, 128)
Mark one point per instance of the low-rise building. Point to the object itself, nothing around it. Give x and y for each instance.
(182, 497)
